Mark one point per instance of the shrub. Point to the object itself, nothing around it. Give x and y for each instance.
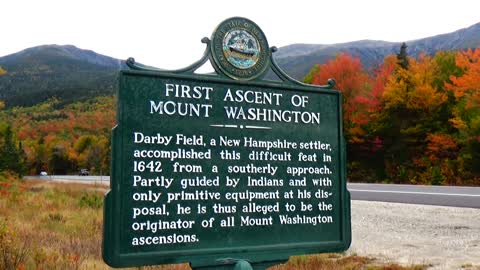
(13, 251)
(437, 177)
(92, 200)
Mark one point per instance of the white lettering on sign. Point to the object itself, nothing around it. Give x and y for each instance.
(185, 91)
(181, 100)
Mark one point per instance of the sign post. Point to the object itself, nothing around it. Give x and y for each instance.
(225, 171)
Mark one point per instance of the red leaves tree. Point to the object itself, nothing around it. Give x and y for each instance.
(353, 82)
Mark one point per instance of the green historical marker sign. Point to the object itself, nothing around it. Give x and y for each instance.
(226, 168)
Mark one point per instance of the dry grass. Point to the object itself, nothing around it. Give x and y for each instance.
(333, 261)
(59, 226)
(469, 266)
(48, 226)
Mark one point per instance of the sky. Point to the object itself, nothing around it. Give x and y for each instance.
(167, 34)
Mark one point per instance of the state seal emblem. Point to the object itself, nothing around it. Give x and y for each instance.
(240, 49)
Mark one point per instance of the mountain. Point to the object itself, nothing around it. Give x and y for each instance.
(298, 59)
(69, 73)
(66, 72)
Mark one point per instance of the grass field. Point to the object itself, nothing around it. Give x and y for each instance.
(59, 226)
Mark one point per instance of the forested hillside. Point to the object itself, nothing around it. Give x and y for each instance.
(58, 138)
(40, 73)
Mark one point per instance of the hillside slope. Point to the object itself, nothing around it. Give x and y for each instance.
(66, 72)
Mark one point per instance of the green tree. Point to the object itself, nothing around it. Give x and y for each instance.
(84, 142)
(11, 155)
(446, 67)
(40, 157)
(59, 162)
(311, 74)
(395, 120)
(402, 56)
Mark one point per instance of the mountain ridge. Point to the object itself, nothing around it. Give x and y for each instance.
(298, 59)
(68, 50)
(64, 71)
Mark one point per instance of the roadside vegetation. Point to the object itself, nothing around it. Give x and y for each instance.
(47, 225)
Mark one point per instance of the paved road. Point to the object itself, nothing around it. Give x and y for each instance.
(103, 180)
(428, 195)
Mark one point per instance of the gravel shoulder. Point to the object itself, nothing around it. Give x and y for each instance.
(444, 237)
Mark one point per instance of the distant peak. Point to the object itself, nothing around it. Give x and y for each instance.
(68, 51)
(51, 46)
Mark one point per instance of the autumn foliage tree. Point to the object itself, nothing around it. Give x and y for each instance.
(467, 86)
(361, 99)
(411, 111)
(352, 81)
(466, 113)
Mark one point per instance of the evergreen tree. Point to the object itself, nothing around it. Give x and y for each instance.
(402, 56)
(58, 162)
(11, 156)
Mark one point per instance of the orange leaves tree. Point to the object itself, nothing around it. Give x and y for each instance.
(411, 110)
(353, 82)
(465, 88)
